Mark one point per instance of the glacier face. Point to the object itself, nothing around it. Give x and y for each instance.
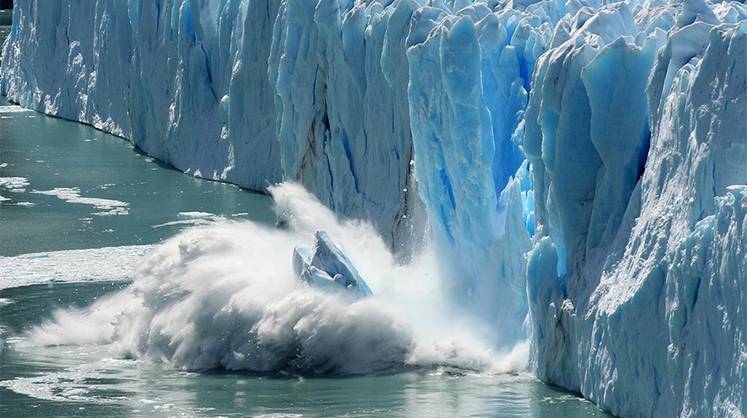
(637, 287)
(228, 90)
(579, 160)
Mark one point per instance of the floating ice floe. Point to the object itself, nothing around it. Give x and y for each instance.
(192, 219)
(107, 207)
(14, 184)
(14, 109)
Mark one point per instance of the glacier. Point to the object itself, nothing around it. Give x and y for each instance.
(636, 283)
(577, 167)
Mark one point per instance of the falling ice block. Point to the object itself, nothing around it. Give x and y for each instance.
(328, 268)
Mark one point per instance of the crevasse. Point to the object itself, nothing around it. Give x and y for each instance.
(579, 160)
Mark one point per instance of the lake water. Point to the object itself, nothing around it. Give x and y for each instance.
(78, 208)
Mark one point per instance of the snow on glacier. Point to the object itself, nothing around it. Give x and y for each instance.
(579, 160)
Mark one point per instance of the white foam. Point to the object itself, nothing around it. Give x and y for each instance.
(193, 219)
(14, 184)
(81, 383)
(97, 379)
(97, 264)
(14, 109)
(195, 214)
(225, 296)
(107, 207)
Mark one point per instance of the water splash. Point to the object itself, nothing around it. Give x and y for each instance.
(224, 296)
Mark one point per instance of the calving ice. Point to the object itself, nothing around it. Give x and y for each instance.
(571, 172)
(232, 295)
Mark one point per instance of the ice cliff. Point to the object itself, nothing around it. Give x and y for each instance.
(579, 160)
(636, 135)
(249, 92)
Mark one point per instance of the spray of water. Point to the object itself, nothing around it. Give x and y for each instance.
(225, 296)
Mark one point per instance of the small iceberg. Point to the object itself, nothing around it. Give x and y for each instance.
(328, 268)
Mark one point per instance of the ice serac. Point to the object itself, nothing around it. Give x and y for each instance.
(343, 128)
(637, 286)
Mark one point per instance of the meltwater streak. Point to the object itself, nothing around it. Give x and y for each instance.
(225, 296)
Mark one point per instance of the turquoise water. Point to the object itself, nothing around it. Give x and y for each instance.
(87, 381)
(72, 187)
(52, 154)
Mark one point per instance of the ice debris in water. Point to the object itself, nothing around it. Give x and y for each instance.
(328, 268)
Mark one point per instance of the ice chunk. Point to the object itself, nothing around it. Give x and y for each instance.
(327, 267)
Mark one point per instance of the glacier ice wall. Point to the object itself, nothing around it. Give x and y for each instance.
(636, 133)
(604, 141)
(229, 90)
(342, 126)
(157, 73)
(379, 73)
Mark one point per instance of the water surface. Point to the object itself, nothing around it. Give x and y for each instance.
(89, 381)
(64, 185)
